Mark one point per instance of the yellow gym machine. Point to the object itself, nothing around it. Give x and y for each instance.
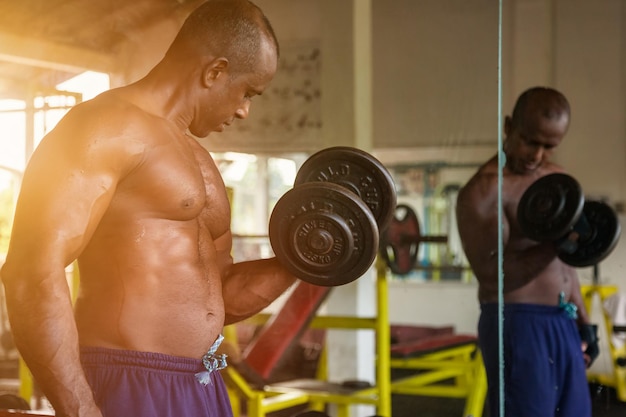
(317, 393)
(447, 366)
(617, 354)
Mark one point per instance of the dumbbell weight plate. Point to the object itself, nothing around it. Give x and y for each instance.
(399, 243)
(323, 234)
(605, 232)
(359, 172)
(550, 206)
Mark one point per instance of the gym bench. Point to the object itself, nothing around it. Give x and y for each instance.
(446, 365)
(316, 393)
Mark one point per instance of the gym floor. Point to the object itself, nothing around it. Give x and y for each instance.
(605, 404)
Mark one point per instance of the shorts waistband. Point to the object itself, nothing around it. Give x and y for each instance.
(99, 356)
(492, 308)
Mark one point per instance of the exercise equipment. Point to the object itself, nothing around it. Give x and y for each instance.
(283, 329)
(442, 365)
(445, 364)
(596, 238)
(311, 413)
(554, 209)
(325, 230)
(399, 243)
(359, 172)
(323, 234)
(616, 353)
(318, 393)
(550, 207)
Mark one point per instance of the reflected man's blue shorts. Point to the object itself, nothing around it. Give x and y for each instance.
(544, 367)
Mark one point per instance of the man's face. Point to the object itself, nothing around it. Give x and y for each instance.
(533, 141)
(230, 96)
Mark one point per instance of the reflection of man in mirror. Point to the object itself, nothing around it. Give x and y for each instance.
(544, 366)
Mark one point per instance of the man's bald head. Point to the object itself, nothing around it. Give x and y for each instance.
(234, 29)
(544, 102)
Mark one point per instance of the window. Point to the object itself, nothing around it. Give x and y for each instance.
(24, 123)
(255, 182)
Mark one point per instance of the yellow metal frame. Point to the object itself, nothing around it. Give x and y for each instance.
(617, 379)
(258, 402)
(454, 372)
(434, 371)
(274, 398)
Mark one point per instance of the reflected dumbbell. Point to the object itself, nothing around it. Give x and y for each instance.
(554, 209)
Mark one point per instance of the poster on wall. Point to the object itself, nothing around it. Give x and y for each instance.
(287, 116)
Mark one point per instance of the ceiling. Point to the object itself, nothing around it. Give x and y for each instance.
(45, 42)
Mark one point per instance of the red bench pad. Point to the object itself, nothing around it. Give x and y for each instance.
(431, 344)
(284, 328)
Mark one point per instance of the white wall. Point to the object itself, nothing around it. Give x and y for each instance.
(590, 57)
(435, 73)
(435, 304)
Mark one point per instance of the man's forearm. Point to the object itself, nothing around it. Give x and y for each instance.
(252, 286)
(45, 334)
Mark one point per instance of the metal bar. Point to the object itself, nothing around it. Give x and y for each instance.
(383, 340)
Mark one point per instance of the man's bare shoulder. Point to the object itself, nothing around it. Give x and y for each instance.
(483, 182)
(109, 122)
(109, 112)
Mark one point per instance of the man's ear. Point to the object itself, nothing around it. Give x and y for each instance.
(218, 67)
(508, 125)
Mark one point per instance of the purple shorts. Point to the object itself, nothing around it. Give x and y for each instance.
(544, 368)
(144, 384)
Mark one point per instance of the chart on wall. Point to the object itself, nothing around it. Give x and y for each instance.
(287, 115)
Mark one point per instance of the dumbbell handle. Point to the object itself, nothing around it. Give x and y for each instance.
(581, 231)
(434, 239)
(408, 239)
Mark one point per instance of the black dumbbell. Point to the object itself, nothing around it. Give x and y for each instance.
(554, 209)
(325, 230)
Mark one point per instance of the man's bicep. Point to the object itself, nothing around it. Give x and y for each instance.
(478, 229)
(60, 203)
(223, 252)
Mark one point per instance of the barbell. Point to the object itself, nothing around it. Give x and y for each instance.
(400, 242)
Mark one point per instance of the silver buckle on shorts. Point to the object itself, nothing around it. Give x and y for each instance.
(212, 362)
